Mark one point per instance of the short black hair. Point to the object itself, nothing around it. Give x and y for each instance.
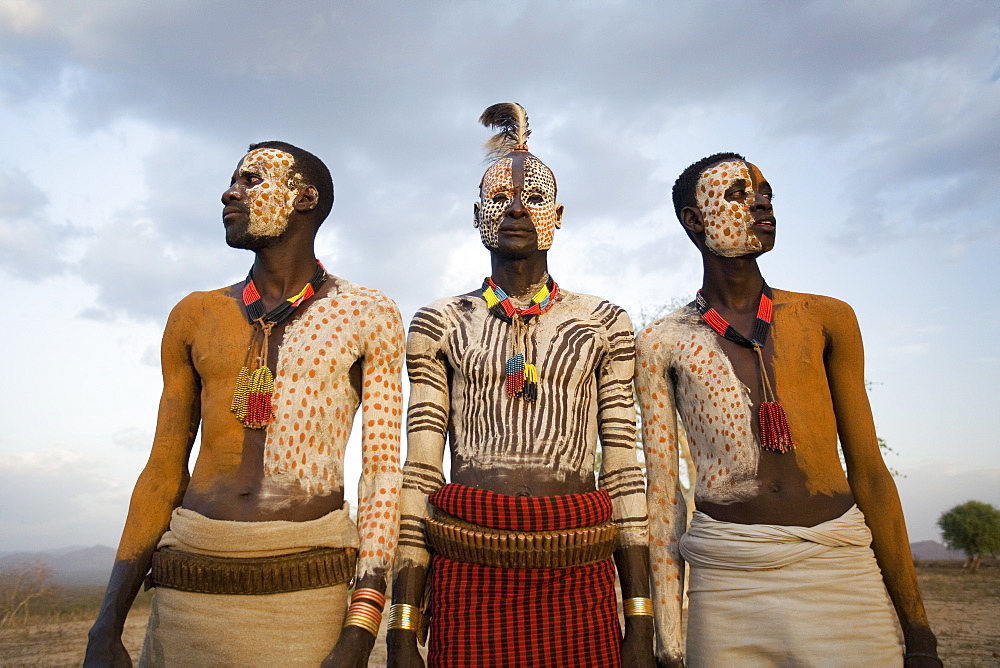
(313, 172)
(685, 184)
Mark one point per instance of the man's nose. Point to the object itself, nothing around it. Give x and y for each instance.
(516, 209)
(231, 194)
(760, 201)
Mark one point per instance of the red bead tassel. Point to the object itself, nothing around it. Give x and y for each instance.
(774, 432)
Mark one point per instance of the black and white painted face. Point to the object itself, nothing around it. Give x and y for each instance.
(534, 186)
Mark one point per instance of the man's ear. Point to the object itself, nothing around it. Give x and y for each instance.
(475, 214)
(307, 199)
(559, 213)
(692, 220)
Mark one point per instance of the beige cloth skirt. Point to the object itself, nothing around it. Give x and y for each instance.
(771, 595)
(287, 629)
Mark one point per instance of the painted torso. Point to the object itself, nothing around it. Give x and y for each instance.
(489, 430)
(584, 353)
(718, 405)
(340, 349)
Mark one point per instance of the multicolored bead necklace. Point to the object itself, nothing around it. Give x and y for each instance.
(252, 396)
(522, 377)
(774, 432)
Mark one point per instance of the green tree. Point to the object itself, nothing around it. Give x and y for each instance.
(974, 528)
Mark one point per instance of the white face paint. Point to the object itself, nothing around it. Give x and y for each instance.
(728, 223)
(272, 197)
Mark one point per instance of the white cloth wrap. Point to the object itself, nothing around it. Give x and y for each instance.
(293, 628)
(772, 595)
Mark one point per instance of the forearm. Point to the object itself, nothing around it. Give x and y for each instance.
(153, 500)
(876, 496)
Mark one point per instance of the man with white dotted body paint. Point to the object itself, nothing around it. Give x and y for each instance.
(793, 562)
(252, 552)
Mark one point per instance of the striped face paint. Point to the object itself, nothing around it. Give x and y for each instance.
(728, 222)
(537, 189)
(272, 198)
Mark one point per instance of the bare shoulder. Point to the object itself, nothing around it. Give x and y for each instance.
(675, 326)
(364, 298)
(433, 322)
(833, 314)
(197, 306)
(592, 306)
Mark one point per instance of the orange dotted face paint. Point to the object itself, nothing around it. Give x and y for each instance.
(728, 221)
(271, 197)
(537, 190)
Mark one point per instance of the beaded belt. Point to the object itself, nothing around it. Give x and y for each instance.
(313, 569)
(454, 539)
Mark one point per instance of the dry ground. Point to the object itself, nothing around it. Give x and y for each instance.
(964, 610)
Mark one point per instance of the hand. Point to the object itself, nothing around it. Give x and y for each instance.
(105, 648)
(637, 647)
(402, 650)
(352, 649)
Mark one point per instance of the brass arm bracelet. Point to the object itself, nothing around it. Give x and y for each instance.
(638, 607)
(362, 622)
(364, 615)
(404, 617)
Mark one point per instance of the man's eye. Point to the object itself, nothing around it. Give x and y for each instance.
(769, 196)
(499, 198)
(534, 199)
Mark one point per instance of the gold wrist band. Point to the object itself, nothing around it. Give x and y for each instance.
(364, 615)
(404, 617)
(638, 607)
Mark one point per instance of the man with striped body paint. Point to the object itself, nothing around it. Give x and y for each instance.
(792, 561)
(520, 378)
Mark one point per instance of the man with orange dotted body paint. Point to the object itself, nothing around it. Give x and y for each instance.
(521, 378)
(252, 552)
(792, 561)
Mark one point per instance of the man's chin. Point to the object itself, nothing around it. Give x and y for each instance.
(250, 242)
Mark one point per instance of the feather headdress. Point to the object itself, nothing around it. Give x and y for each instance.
(511, 120)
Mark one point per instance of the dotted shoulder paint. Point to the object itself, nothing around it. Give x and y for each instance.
(314, 405)
(713, 404)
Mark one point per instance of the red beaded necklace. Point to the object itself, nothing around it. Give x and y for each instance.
(522, 376)
(774, 432)
(252, 395)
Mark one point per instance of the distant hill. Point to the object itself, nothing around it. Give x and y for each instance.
(931, 550)
(76, 566)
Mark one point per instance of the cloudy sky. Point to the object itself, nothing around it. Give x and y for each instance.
(878, 125)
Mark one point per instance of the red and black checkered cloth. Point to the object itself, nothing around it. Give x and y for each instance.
(485, 616)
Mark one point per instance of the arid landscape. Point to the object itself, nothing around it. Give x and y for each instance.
(964, 610)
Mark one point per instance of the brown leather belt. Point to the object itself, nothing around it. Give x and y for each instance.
(454, 539)
(313, 569)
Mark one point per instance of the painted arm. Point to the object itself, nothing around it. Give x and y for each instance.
(378, 488)
(157, 492)
(667, 509)
(870, 481)
(427, 424)
(622, 478)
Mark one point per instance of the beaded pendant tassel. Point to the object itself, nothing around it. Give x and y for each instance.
(521, 377)
(255, 389)
(775, 434)
(515, 375)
